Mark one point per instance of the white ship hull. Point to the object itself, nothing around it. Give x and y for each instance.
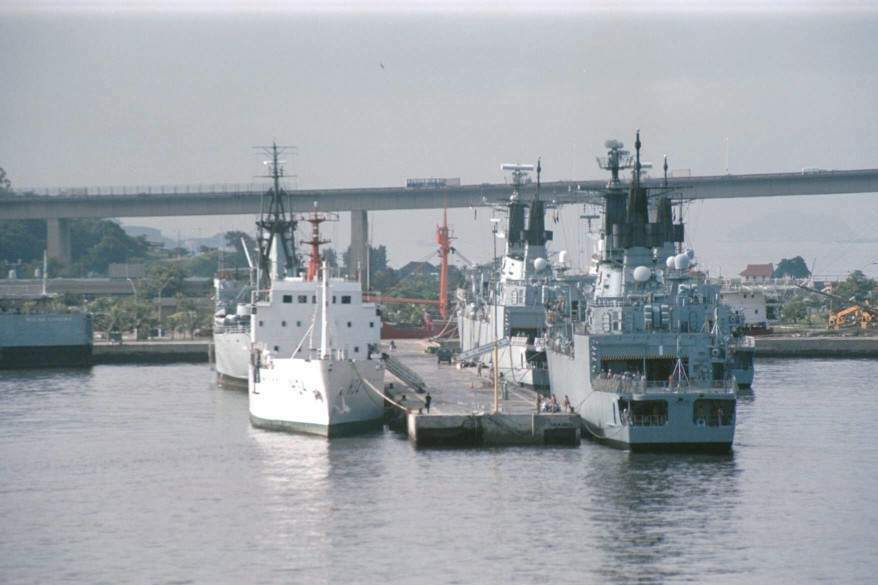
(232, 356)
(324, 397)
(685, 424)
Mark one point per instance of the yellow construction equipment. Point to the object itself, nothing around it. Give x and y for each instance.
(855, 316)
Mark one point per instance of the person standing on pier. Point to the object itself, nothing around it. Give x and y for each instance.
(427, 401)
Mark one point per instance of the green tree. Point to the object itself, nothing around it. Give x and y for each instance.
(164, 279)
(794, 310)
(858, 287)
(792, 267)
(5, 183)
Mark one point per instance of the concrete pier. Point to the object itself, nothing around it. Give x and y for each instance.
(462, 404)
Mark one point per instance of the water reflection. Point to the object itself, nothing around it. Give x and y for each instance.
(657, 511)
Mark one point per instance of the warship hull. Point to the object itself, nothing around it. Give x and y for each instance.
(519, 362)
(636, 415)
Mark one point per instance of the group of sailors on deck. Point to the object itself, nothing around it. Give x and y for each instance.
(551, 404)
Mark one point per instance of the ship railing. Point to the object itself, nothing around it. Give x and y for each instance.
(646, 420)
(637, 385)
(217, 328)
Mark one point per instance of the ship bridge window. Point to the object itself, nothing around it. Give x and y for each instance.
(288, 298)
(713, 412)
(346, 299)
(302, 299)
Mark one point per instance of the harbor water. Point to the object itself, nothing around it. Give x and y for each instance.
(150, 474)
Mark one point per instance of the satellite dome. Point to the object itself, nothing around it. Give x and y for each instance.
(681, 261)
(642, 274)
(669, 262)
(540, 264)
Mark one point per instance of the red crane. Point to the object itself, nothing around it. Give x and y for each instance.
(443, 238)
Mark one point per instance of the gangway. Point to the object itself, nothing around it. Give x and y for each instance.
(408, 376)
(475, 352)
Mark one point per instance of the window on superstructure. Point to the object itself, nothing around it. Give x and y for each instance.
(283, 323)
(302, 299)
(298, 323)
(372, 324)
(288, 298)
(346, 299)
(314, 299)
(349, 323)
(260, 323)
(356, 349)
(276, 348)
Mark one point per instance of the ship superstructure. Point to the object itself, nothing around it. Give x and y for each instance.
(505, 303)
(653, 359)
(314, 360)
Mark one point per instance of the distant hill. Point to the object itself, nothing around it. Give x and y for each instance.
(156, 236)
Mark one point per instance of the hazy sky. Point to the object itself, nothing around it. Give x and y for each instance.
(167, 93)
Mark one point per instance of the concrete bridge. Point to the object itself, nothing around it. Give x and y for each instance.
(58, 206)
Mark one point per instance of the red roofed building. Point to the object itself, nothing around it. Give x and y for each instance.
(758, 272)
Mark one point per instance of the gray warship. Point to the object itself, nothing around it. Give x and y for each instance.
(505, 303)
(652, 360)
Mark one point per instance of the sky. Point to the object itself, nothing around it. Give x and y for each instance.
(156, 92)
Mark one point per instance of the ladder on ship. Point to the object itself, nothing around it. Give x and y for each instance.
(475, 352)
(408, 376)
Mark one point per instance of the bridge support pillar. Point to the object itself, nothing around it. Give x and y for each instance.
(359, 245)
(58, 239)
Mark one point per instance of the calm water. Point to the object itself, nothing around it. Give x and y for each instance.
(152, 475)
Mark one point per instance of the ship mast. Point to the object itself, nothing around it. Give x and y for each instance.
(443, 238)
(314, 257)
(275, 227)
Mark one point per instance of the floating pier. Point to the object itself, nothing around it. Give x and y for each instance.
(461, 410)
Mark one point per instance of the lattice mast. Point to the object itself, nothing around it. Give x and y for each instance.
(275, 227)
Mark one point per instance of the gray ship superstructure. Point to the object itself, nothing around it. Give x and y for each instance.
(506, 303)
(653, 359)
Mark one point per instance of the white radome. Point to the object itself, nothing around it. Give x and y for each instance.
(669, 262)
(642, 274)
(540, 264)
(681, 261)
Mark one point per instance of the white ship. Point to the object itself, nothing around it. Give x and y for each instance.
(231, 332)
(315, 362)
(312, 337)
